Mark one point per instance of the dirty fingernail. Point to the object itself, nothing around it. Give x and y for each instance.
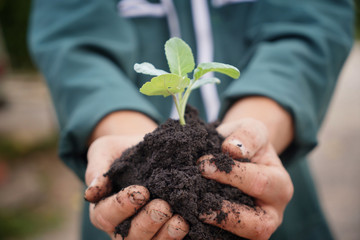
(176, 231)
(93, 183)
(205, 157)
(236, 143)
(158, 216)
(92, 190)
(236, 148)
(137, 198)
(209, 217)
(208, 167)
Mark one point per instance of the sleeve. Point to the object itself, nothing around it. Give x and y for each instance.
(298, 49)
(83, 48)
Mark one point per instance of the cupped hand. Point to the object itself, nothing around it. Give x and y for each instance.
(264, 178)
(153, 220)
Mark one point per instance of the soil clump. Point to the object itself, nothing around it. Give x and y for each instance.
(165, 162)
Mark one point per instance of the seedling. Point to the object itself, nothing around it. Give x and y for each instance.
(177, 83)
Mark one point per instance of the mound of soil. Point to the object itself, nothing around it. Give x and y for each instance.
(165, 162)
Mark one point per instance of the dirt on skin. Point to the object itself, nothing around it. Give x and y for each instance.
(165, 162)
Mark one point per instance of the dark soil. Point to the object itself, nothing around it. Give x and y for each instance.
(165, 162)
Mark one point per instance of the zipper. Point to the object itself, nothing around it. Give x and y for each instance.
(205, 53)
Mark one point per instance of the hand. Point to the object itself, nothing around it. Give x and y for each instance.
(264, 178)
(153, 221)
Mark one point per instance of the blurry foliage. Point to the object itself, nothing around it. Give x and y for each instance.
(23, 222)
(10, 150)
(14, 20)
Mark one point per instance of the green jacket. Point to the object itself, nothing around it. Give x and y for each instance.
(289, 50)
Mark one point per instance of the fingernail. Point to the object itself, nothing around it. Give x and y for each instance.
(208, 167)
(137, 198)
(175, 231)
(210, 217)
(158, 216)
(94, 182)
(236, 142)
(239, 145)
(203, 158)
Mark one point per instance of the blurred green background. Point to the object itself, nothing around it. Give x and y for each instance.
(44, 188)
(40, 197)
(13, 21)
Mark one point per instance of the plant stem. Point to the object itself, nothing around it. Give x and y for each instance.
(179, 110)
(184, 101)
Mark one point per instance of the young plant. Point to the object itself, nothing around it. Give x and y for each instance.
(177, 83)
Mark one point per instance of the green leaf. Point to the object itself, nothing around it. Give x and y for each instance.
(148, 68)
(165, 85)
(179, 57)
(226, 69)
(203, 81)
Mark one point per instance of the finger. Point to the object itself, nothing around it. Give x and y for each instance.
(269, 184)
(244, 221)
(248, 138)
(149, 220)
(101, 155)
(108, 213)
(115, 236)
(174, 229)
(99, 187)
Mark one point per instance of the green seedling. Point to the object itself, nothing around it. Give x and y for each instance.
(177, 83)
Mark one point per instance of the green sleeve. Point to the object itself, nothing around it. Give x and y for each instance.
(82, 48)
(298, 50)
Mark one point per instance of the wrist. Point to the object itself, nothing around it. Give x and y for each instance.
(277, 120)
(123, 123)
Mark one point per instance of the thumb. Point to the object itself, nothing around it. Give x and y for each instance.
(243, 138)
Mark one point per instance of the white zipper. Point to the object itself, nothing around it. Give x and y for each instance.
(205, 53)
(140, 8)
(221, 3)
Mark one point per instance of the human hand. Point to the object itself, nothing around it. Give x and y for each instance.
(153, 221)
(264, 178)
